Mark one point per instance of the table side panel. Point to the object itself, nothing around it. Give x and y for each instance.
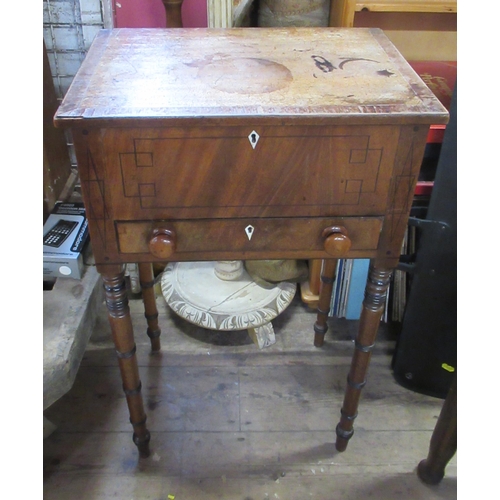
(95, 193)
(408, 160)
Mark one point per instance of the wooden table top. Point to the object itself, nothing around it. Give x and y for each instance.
(334, 75)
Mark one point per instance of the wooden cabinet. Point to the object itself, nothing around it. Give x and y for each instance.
(342, 12)
(247, 144)
(423, 30)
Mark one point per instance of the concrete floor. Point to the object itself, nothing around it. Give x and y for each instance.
(230, 421)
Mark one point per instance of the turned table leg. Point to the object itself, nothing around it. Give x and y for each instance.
(443, 443)
(373, 307)
(327, 280)
(146, 278)
(123, 337)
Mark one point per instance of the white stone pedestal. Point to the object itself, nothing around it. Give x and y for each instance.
(194, 291)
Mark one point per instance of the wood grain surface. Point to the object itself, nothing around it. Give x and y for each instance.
(242, 72)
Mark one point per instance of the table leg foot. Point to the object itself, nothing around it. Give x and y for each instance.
(146, 278)
(443, 444)
(427, 474)
(373, 307)
(142, 444)
(342, 438)
(325, 296)
(123, 338)
(319, 332)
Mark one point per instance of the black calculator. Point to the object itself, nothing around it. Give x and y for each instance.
(59, 233)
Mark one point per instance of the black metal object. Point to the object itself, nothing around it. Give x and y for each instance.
(426, 350)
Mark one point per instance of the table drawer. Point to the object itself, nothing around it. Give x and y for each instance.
(208, 239)
(218, 172)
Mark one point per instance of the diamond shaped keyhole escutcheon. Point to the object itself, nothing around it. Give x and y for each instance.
(249, 230)
(253, 138)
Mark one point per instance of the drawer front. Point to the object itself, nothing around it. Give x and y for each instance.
(246, 171)
(248, 238)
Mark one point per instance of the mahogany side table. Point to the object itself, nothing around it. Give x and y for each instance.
(268, 143)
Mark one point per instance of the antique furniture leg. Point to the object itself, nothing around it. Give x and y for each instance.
(443, 443)
(146, 278)
(373, 307)
(314, 275)
(123, 337)
(325, 296)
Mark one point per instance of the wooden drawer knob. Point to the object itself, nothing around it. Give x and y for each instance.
(162, 242)
(337, 243)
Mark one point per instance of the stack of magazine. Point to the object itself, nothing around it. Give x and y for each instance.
(349, 288)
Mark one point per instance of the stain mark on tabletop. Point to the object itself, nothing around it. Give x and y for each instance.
(323, 64)
(384, 72)
(354, 59)
(261, 75)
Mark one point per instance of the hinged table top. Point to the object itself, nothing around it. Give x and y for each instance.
(330, 74)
